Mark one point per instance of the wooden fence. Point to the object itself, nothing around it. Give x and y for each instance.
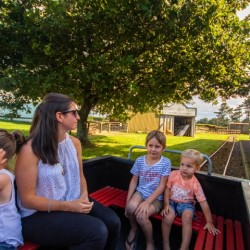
(95, 127)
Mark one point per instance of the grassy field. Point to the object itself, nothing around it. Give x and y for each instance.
(118, 144)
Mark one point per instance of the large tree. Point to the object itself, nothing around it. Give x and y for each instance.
(236, 114)
(223, 114)
(116, 55)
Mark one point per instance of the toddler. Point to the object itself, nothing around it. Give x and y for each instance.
(179, 199)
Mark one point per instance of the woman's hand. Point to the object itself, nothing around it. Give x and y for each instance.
(81, 206)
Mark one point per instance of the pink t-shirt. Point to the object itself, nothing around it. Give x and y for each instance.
(182, 190)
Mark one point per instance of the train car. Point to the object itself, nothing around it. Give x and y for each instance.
(228, 198)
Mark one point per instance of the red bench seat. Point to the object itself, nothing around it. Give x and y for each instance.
(230, 238)
(110, 196)
(28, 246)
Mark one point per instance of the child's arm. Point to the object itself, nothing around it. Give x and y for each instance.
(5, 190)
(165, 209)
(144, 206)
(131, 189)
(209, 225)
(132, 186)
(2, 157)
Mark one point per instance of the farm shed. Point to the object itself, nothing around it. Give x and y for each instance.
(175, 119)
(243, 127)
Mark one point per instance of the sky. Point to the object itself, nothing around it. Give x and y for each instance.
(206, 110)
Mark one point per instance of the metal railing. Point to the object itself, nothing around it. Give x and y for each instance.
(209, 171)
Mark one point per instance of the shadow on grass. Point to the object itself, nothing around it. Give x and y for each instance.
(112, 147)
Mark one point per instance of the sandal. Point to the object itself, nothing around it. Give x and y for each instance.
(130, 243)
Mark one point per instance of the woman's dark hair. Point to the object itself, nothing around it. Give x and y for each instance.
(44, 127)
(11, 143)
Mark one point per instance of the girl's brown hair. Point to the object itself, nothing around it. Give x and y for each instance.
(158, 135)
(11, 143)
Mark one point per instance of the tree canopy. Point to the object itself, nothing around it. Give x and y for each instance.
(117, 56)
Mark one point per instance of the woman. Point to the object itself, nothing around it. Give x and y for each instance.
(52, 191)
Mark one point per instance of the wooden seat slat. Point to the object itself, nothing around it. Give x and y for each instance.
(201, 238)
(229, 235)
(210, 237)
(106, 196)
(238, 235)
(219, 237)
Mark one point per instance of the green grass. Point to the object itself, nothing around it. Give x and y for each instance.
(12, 125)
(118, 144)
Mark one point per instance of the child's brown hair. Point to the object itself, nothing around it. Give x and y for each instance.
(11, 143)
(158, 135)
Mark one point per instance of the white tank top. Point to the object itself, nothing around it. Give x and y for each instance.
(60, 181)
(10, 219)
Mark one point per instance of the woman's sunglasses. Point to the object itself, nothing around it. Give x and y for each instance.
(72, 111)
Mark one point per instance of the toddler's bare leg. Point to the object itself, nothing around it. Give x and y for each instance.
(187, 218)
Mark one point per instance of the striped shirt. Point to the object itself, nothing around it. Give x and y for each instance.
(150, 176)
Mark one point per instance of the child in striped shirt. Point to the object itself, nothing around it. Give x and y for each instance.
(145, 193)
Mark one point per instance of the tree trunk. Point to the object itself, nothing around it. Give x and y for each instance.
(82, 127)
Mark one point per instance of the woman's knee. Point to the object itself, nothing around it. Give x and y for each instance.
(113, 222)
(101, 232)
(116, 222)
(96, 239)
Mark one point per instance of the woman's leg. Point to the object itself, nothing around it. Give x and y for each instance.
(112, 222)
(65, 229)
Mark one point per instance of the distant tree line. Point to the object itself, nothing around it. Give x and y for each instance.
(226, 114)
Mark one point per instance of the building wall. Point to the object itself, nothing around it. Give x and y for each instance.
(143, 122)
(166, 120)
(243, 127)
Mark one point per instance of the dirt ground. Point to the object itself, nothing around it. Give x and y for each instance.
(235, 166)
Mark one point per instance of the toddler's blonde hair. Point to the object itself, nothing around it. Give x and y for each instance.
(194, 155)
